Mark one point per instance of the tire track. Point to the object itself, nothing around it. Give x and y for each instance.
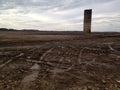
(29, 79)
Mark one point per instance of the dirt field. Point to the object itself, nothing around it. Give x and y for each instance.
(59, 62)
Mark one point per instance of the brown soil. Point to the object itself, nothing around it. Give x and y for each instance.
(90, 63)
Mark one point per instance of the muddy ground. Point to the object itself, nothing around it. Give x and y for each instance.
(75, 64)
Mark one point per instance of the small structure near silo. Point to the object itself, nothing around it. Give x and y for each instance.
(87, 20)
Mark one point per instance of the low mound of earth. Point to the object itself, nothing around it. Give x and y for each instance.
(88, 64)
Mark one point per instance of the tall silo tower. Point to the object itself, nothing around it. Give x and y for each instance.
(87, 20)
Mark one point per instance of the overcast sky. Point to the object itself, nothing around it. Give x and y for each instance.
(59, 14)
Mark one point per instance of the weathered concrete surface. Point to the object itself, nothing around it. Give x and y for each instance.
(87, 20)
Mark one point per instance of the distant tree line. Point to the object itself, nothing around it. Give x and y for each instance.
(5, 29)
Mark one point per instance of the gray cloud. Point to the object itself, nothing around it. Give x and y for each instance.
(48, 4)
(58, 14)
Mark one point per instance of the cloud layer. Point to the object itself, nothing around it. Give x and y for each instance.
(59, 14)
